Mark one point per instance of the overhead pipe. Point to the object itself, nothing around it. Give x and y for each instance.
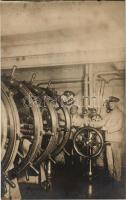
(101, 96)
(113, 79)
(58, 81)
(98, 75)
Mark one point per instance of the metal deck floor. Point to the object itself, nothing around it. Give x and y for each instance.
(72, 183)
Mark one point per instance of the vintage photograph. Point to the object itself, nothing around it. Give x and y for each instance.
(63, 100)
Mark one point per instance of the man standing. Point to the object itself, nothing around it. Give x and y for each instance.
(113, 125)
(76, 119)
(86, 119)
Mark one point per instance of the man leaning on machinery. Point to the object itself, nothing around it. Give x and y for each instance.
(112, 124)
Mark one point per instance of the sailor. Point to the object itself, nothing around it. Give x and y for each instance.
(76, 119)
(68, 97)
(113, 125)
(86, 119)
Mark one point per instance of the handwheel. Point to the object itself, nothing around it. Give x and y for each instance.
(88, 142)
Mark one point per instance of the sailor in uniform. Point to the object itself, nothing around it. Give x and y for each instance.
(112, 124)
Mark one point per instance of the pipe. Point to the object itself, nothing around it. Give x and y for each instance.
(85, 81)
(113, 79)
(101, 97)
(59, 81)
(91, 85)
(98, 76)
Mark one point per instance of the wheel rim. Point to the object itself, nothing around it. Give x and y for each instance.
(13, 128)
(88, 142)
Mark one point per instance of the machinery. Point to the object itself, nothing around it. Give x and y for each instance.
(25, 128)
(88, 142)
(36, 127)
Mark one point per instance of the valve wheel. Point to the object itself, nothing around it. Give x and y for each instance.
(88, 142)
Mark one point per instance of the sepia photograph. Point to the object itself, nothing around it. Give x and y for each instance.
(63, 100)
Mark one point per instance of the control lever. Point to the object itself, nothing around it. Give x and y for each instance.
(13, 71)
(33, 77)
(68, 154)
(11, 183)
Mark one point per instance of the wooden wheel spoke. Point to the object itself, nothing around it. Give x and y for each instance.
(20, 154)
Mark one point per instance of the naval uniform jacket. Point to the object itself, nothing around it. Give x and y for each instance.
(114, 125)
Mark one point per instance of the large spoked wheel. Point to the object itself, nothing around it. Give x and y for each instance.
(31, 126)
(88, 142)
